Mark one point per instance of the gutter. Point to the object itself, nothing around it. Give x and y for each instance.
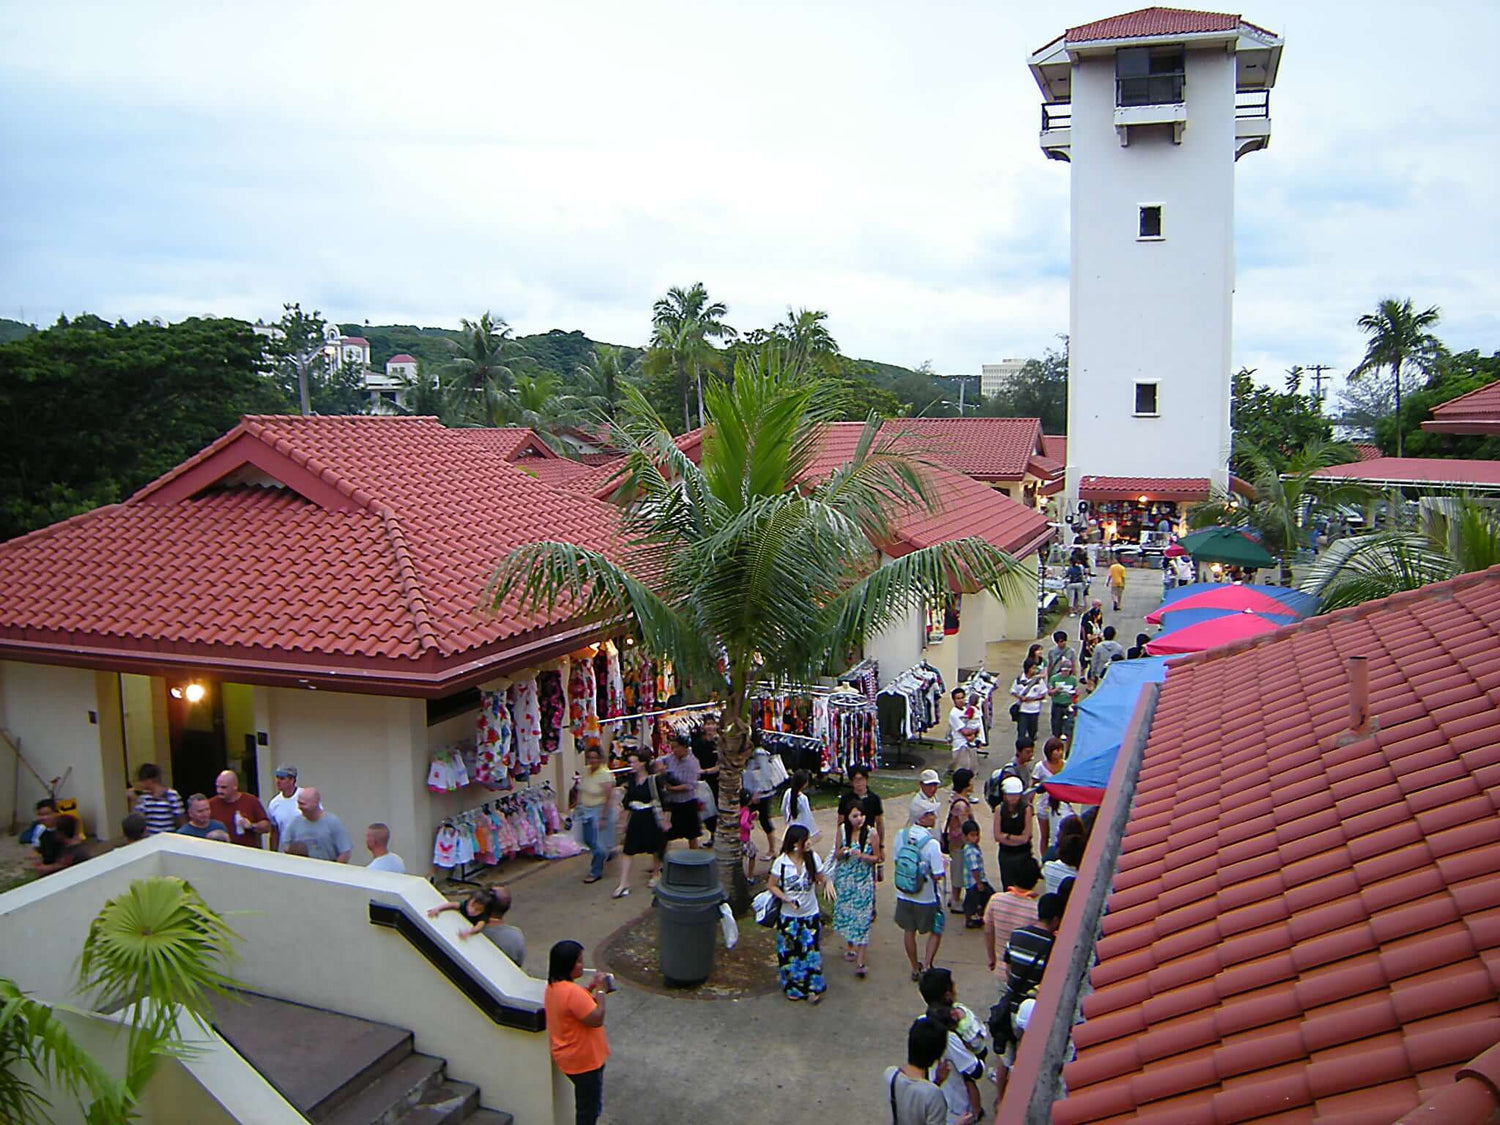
(1036, 1079)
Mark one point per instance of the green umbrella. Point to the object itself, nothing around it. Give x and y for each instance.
(1228, 545)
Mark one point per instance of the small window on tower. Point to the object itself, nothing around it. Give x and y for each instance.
(1145, 400)
(1150, 221)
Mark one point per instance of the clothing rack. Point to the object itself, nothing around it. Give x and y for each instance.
(661, 711)
(460, 873)
(918, 680)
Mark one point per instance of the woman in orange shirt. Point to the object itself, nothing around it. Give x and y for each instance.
(575, 1025)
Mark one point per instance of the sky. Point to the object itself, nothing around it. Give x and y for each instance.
(563, 164)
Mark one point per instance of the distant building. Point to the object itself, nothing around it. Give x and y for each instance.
(994, 376)
(401, 366)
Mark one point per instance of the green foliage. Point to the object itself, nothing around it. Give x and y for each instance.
(1038, 390)
(1451, 536)
(1452, 376)
(35, 1044)
(1271, 422)
(14, 330)
(1399, 337)
(684, 325)
(90, 412)
(758, 569)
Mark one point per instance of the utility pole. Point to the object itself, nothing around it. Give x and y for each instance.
(1317, 369)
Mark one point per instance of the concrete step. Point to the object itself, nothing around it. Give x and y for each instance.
(315, 1058)
(489, 1117)
(390, 1095)
(448, 1104)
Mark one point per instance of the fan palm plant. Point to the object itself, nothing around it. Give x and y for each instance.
(1288, 495)
(155, 952)
(1450, 536)
(756, 565)
(1399, 337)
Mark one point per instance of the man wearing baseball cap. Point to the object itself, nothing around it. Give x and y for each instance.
(927, 791)
(282, 808)
(919, 908)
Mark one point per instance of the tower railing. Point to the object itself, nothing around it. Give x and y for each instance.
(1251, 104)
(1056, 115)
(1151, 89)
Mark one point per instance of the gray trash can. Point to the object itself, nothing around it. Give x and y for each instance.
(687, 916)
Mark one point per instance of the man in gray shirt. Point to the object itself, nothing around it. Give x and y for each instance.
(912, 1090)
(314, 832)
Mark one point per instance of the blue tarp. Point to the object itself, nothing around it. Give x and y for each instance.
(1102, 719)
(1300, 604)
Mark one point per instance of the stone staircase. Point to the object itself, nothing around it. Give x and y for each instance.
(339, 1070)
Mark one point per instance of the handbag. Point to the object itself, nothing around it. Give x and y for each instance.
(663, 821)
(767, 909)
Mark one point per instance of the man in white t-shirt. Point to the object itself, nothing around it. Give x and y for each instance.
(378, 844)
(282, 808)
(921, 910)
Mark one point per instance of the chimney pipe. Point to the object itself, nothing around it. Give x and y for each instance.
(1359, 695)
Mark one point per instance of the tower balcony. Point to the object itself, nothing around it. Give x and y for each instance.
(1057, 129)
(1252, 121)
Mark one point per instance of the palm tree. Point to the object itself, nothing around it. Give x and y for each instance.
(682, 324)
(601, 382)
(1450, 536)
(153, 951)
(1287, 496)
(479, 377)
(535, 403)
(1399, 337)
(759, 570)
(809, 338)
(427, 397)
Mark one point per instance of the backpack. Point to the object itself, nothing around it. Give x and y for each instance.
(911, 872)
(992, 794)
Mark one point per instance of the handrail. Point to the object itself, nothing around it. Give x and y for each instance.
(507, 1011)
(1249, 104)
(1056, 115)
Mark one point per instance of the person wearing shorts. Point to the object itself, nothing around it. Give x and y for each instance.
(683, 772)
(921, 911)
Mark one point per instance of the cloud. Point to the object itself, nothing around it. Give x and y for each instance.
(563, 164)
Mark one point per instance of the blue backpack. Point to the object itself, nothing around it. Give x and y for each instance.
(911, 872)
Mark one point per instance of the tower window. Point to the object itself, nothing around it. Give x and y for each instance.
(1150, 220)
(1144, 76)
(1145, 399)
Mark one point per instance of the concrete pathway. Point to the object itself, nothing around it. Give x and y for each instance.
(676, 1058)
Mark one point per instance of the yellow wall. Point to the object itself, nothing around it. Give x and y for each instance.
(239, 721)
(147, 736)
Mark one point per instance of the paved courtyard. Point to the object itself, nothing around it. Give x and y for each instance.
(676, 1058)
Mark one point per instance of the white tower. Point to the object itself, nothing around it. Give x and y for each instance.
(1152, 109)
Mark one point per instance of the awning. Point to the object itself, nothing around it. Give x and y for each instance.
(1102, 719)
(1302, 605)
(1182, 489)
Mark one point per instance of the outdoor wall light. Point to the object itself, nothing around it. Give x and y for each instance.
(193, 693)
(1142, 499)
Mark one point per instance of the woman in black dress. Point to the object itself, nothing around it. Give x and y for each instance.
(643, 829)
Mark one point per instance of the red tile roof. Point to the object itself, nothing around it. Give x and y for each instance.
(1153, 21)
(965, 506)
(354, 340)
(1055, 446)
(1367, 452)
(991, 449)
(556, 470)
(1304, 923)
(367, 565)
(511, 443)
(402, 357)
(1154, 488)
(1477, 412)
(1450, 472)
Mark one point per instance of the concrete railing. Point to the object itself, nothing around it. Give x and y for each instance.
(306, 937)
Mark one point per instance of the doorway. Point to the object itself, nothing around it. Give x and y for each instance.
(195, 714)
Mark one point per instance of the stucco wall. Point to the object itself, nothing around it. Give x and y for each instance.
(66, 717)
(305, 936)
(1151, 309)
(366, 755)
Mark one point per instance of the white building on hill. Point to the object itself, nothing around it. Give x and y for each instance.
(994, 376)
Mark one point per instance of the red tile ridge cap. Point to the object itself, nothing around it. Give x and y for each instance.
(1433, 591)
(256, 428)
(51, 528)
(411, 587)
(1473, 1095)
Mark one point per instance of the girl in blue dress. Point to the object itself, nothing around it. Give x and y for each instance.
(856, 851)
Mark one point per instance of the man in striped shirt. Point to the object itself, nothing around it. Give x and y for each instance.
(1009, 910)
(162, 807)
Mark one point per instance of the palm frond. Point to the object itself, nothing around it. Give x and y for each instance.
(33, 1039)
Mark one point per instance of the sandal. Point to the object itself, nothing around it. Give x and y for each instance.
(593, 878)
(860, 971)
(619, 892)
(815, 998)
(916, 974)
(848, 955)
